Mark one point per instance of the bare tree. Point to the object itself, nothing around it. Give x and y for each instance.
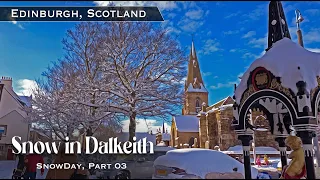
(58, 102)
(110, 69)
(148, 67)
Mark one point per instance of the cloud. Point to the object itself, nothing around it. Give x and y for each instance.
(259, 42)
(313, 12)
(238, 50)
(145, 125)
(232, 15)
(18, 24)
(258, 12)
(207, 73)
(189, 25)
(233, 50)
(163, 5)
(312, 36)
(195, 14)
(231, 32)
(209, 33)
(249, 34)
(25, 87)
(222, 85)
(171, 15)
(317, 50)
(210, 46)
(249, 55)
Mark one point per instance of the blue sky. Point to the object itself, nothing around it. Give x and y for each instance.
(228, 37)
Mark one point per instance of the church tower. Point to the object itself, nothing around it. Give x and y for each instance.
(195, 92)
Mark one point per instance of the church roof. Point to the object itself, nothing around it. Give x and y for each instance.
(194, 82)
(187, 123)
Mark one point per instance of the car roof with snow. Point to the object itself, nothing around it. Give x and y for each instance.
(201, 161)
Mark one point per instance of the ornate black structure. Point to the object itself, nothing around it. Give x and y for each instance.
(284, 109)
(278, 28)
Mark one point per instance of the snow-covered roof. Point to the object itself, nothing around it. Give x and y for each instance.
(41, 133)
(187, 123)
(283, 60)
(223, 107)
(201, 89)
(124, 136)
(200, 162)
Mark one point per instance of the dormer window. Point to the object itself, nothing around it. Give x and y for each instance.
(198, 107)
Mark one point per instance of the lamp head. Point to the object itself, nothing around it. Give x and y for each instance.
(300, 19)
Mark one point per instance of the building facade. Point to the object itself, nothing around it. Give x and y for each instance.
(206, 126)
(12, 117)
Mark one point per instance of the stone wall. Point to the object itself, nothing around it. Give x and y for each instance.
(203, 131)
(184, 137)
(263, 138)
(212, 130)
(190, 101)
(227, 135)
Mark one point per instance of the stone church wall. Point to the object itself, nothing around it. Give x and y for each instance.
(212, 130)
(184, 137)
(223, 135)
(263, 138)
(228, 137)
(190, 104)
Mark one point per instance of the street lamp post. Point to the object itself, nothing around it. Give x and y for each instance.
(299, 19)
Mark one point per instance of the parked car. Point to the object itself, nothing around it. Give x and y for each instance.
(198, 163)
(139, 166)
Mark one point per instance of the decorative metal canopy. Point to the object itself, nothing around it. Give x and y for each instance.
(278, 26)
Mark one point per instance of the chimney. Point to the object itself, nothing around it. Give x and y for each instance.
(7, 81)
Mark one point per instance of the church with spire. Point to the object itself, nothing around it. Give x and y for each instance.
(188, 130)
(209, 126)
(195, 92)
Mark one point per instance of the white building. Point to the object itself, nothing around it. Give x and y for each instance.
(12, 117)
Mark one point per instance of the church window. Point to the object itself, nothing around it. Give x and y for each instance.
(198, 107)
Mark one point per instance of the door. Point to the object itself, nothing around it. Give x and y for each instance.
(10, 154)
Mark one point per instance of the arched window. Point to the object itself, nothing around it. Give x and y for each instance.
(198, 107)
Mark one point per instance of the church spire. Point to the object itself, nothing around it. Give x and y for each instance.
(278, 26)
(163, 131)
(194, 77)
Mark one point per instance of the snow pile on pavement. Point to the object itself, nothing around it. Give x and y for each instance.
(201, 162)
(163, 148)
(235, 148)
(289, 61)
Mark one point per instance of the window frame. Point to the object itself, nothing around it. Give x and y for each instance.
(5, 130)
